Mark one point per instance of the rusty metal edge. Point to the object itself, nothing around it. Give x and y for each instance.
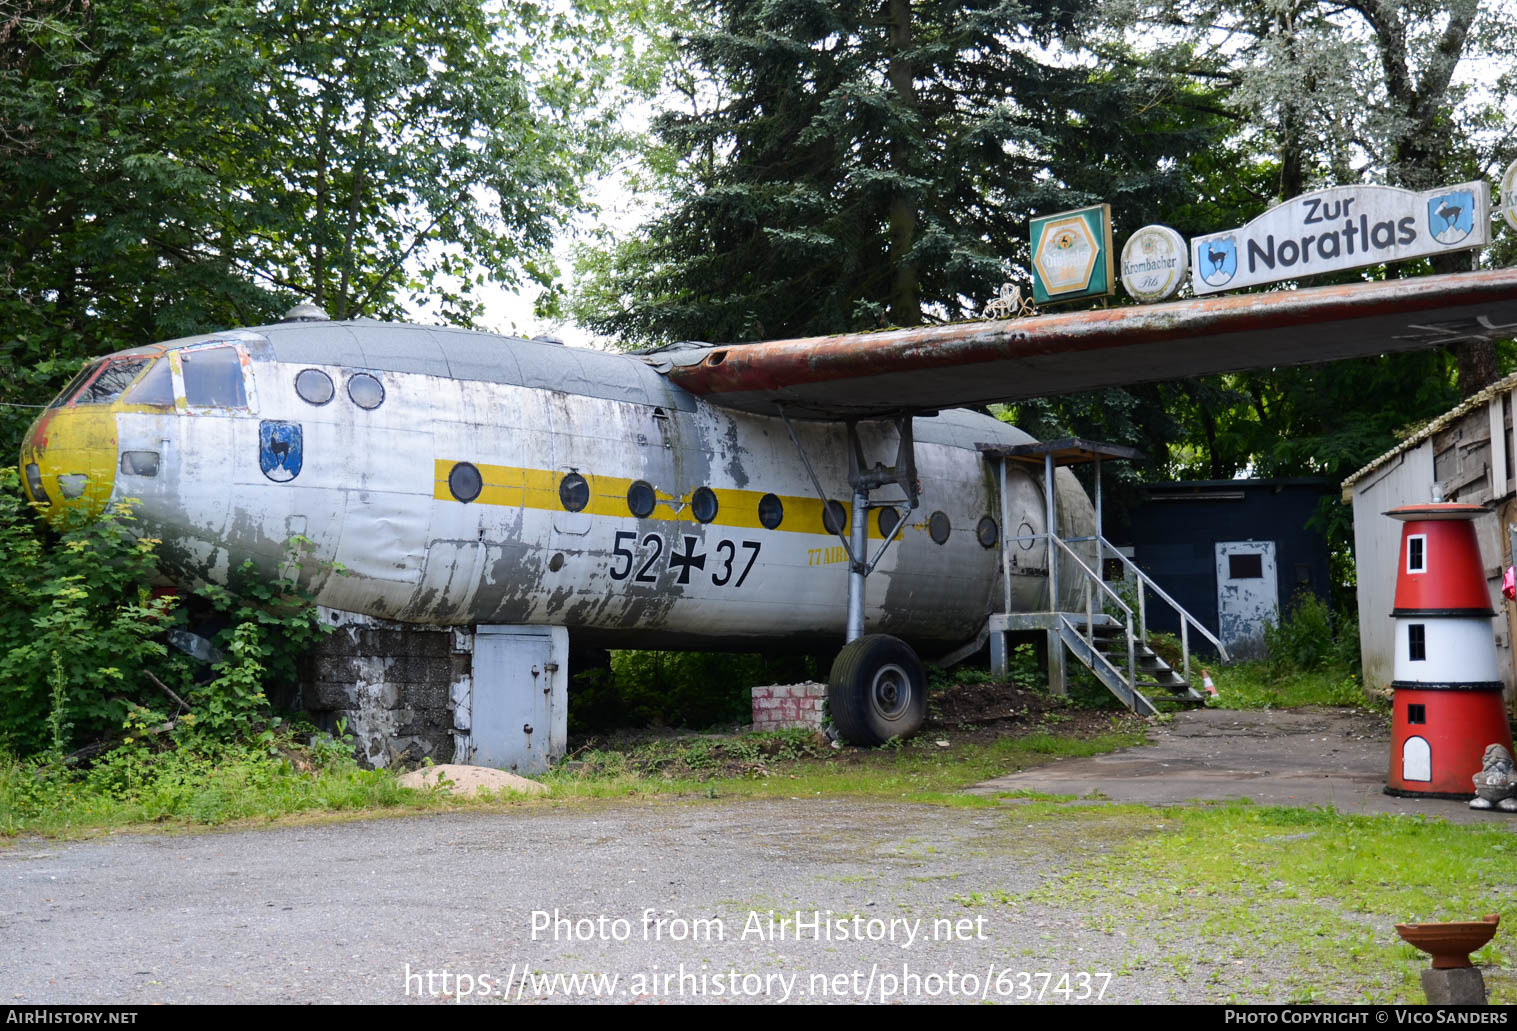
(777, 364)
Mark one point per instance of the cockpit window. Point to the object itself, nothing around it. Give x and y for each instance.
(213, 378)
(74, 384)
(102, 382)
(112, 381)
(156, 387)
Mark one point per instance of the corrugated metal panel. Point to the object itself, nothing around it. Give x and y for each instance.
(1377, 546)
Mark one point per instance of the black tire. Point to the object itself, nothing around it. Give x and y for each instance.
(877, 690)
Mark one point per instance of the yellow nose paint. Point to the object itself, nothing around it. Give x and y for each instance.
(74, 448)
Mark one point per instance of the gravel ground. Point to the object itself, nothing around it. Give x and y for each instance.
(432, 908)
(341, 912)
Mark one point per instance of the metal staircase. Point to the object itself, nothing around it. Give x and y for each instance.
(1106, 634)
(1111, 640)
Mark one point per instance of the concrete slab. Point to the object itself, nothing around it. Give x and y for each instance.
(1305, 757)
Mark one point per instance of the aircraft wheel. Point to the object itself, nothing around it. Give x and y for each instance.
(877, 690)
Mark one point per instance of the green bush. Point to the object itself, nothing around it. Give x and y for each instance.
(80, 629)
(1304, 638)
(82, 640)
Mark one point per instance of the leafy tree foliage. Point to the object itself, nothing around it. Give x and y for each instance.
(835, 166)
(169, 168)
(1337, 93)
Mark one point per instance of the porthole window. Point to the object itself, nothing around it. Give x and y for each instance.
(366, 391)
(834, 517)
(640, 499)
(770, 512)
(314, 386)
(703, 504)
(464, 482)
(987, 533)
(1025, 536)
(888, 520)
(938, 527)
(574, 492)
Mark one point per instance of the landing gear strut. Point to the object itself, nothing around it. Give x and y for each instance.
(877, 689)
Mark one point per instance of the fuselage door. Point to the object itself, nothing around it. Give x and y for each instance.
(1026, 522)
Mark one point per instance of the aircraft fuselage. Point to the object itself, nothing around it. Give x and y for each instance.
(447, 477)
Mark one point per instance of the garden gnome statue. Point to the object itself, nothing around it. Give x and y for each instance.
(1496, 783)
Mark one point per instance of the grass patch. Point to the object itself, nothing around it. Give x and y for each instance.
(181, 790)
(189, 791)
(917, 770)
(1269, 904)
(1257, 685)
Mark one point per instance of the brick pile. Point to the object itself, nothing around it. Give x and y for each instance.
(789, 706)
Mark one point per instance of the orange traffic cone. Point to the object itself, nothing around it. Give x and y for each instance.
(1206, 683)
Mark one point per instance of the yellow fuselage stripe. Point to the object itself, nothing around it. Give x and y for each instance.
(513, 487)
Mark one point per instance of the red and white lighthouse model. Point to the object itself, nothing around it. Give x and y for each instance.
(1448, 702)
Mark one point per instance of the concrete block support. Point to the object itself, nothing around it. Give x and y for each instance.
(1461, 986)
(392, 686)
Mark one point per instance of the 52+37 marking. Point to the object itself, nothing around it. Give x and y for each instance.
(653, 547)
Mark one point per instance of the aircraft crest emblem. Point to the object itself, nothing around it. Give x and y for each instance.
(280, 450)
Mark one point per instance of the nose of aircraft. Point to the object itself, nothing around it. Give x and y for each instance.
(68, 460)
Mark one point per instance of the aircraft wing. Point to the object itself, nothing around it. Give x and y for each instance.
(857, 375)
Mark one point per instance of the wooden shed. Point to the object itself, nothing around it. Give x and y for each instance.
(1467, 455)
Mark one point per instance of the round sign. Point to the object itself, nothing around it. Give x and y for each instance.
(1155, 262)
(1509, 195)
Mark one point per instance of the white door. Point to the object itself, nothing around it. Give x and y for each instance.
(1247, 595)
(513, 718)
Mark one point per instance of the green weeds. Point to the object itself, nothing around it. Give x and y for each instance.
(1259, 685)
(268, 779)
(1307, 897)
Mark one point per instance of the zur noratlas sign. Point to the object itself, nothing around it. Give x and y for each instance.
(1344, 227)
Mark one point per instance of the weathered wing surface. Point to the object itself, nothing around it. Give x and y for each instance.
(870, 374)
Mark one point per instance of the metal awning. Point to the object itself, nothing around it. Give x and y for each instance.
(1069, 451)
(869, 375)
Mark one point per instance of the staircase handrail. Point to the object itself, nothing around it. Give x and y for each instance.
(1147, 581)
(1090, 576)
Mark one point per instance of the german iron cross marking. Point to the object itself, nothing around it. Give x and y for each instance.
(688, 559)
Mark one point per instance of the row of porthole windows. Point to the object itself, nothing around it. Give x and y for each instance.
(465, 484)
(315, 387)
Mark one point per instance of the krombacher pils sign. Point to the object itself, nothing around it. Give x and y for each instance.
(1342, 228)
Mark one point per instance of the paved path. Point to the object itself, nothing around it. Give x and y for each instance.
(1336, 757)
(379, 910)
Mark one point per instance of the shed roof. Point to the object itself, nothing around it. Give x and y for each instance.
(1460, 410)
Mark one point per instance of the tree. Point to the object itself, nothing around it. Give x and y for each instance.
(425, 146)
(836, 166)
(171, 168)
(1363, 90)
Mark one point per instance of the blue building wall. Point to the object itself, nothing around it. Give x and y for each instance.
(1175, 529)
